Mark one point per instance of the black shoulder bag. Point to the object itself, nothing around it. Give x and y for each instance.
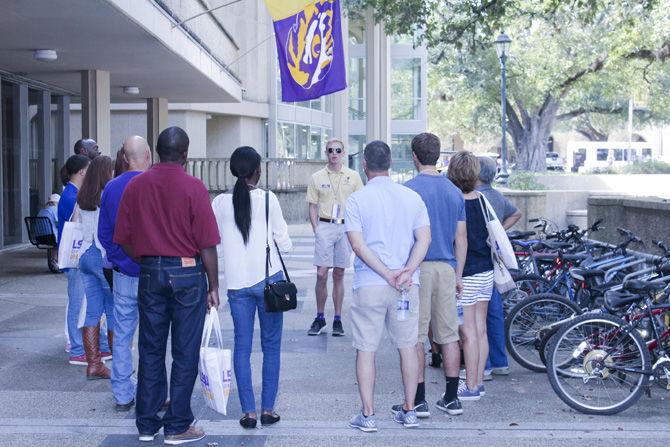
(281, 295)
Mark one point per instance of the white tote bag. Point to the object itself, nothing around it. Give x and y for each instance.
(502, 280)
(69, 247)
(215, 365)
(498, 240)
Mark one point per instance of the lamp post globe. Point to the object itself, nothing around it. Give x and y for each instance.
(502, 45)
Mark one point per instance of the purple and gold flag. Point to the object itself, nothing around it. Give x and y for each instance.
(309, 46)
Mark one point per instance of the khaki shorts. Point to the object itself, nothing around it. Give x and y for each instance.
(331, 246)
(437, 306)
(374, 307)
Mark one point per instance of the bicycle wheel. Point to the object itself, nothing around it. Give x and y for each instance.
(596, 366)
(526, 285)
(526, 319)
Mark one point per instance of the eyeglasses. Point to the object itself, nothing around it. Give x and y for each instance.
(337, 150)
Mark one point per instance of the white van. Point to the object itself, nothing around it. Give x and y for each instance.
(601, 155)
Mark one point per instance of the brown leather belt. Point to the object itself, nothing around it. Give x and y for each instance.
(335, 221)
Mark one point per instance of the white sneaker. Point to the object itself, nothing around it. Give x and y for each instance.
(500, 371)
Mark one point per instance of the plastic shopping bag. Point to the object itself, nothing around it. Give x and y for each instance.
(70, 245)
(215, 365)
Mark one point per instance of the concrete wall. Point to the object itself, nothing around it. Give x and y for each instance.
(648, 218)
(226, 132)
(195, 125)
(122, 125)
(628, 184)
(552, 205)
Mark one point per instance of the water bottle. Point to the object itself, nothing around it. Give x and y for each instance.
(402, 305)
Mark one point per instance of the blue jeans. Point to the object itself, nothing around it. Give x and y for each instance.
(170, 298)
(125, 321)
(495, 327)
(99, 298)
(243, 304)
(75, 295)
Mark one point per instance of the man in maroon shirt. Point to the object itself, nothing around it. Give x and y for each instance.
(166, 222)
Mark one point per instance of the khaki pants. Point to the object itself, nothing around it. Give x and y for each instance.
(374, 307)
(437, 306)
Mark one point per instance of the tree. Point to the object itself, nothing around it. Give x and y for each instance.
(569, 59)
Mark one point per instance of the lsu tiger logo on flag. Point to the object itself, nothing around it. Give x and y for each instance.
(309, 47)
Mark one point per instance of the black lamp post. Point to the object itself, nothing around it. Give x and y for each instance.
(502, 44)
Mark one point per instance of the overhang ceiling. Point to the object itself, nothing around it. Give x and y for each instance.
(93, 34)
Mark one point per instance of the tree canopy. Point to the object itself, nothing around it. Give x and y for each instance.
(575, 61)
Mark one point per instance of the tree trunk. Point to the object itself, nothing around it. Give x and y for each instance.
(530, 133)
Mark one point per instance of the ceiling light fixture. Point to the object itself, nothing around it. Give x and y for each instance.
(45, 55)
(131, 90)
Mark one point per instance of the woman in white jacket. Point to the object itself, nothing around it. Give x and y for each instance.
(240, 217)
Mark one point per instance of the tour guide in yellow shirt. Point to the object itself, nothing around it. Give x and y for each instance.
(327, 193)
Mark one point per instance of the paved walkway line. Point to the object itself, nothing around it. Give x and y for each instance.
(593, 430)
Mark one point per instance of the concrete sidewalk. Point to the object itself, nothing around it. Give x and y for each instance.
(46, 402)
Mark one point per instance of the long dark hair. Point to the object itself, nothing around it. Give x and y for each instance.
(98, 174)
(244, 163)
(120, 165)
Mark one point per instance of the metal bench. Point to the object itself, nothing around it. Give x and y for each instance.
(42, 236)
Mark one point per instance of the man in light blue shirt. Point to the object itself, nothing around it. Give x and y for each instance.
(389, 230)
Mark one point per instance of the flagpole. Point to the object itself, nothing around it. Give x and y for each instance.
(204, 12)
(248, 51)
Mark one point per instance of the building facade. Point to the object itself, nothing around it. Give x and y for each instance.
(134, 67)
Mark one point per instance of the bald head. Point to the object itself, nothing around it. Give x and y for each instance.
(137, 153)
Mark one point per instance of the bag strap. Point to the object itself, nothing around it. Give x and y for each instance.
(267, 243)
(75, 213)
(484, 206)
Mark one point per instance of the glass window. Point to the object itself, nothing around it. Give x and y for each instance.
(301, 141)
(646, 154)
(601, 154)
(11, 164)
(285, 140)
(329, 104)
(405, 89)
(356, 28)
(618, 154)
(401, 153)
(304, 104)
(357, 103)
(315, 144)
(355, 150)
(315, 104)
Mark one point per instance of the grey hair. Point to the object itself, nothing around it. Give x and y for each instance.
(488, 168)
(377, 156)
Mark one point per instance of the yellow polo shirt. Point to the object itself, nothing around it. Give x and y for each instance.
(328, 187)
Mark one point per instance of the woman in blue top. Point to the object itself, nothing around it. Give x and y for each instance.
(477, 277)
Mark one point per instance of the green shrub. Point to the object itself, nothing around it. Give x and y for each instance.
(524, 181)
(647, 167)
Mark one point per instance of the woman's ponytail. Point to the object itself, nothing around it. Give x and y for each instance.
(244, 162)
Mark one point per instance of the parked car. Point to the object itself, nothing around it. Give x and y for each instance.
(555, 162)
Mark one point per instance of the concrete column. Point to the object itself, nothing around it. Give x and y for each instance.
(341, 99)
(62, 136)
(44, 163)
(377, 80)
(20, 130)
(95, 108)
(157, 120)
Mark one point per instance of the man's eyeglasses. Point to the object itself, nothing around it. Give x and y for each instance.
(337, 150)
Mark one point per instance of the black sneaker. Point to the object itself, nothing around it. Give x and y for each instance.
(422, 410)
(317, 327)
(338, 330)
(452, 408)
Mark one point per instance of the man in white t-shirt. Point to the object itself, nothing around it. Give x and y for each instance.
(389, 230)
